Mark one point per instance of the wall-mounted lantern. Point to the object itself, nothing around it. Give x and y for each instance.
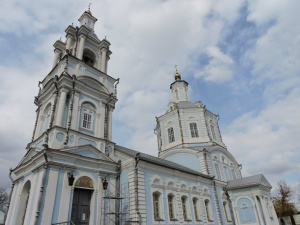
(71, 178)
(104, 183)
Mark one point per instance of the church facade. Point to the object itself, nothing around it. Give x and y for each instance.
(74, 173)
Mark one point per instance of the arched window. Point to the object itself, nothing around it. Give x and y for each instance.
(194, 130)
(88, 57)
(208, 210)
(218, 174)
(225, 173)
(196, 210)
(23, 203)
(87, 116)
(184, 207)
(213, 132)
(171, 207)
(176, 93)
(156, 206)
(227, 212)
(171, 134)
(233, 173)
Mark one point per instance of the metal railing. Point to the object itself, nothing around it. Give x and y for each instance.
(64, 223)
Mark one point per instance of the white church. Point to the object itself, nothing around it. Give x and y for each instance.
(75, 174)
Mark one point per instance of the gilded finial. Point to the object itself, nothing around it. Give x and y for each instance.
(89, 9)
(177, 75)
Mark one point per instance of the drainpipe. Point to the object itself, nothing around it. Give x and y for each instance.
(70, 108)
(230, 206)
(118, 193)
(42, 184)
(11, 190)
(137, 159)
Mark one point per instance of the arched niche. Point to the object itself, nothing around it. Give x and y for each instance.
(23, 203)
(84, 182)
(89, 57)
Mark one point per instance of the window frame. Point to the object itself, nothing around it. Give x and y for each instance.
(172, 135)
(171, 210)
(157, 215)
(195, 201)
(208, 210)
(194, 130)
(87, 109)
(213, 132)
(185, 208)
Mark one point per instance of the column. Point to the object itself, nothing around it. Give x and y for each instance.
(103, 59)
(106, 62)
(61, 107)
(75, 118)
(56, 57)
(99, 62)
(81, 46)
(258, 210)
(69, 41)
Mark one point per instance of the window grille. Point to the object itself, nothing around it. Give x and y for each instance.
(156, 206)
(218, 171)
(171, 207)
(171, 134)
(87, 118)
(194, 130)
(195, 203)
(184, 208)
(213, 132)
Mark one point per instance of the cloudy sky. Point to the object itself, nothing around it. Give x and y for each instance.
(241, 59)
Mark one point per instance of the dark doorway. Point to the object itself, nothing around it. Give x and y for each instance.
(81, 206)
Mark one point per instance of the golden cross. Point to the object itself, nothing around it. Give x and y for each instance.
(90, 6)
(175, 67)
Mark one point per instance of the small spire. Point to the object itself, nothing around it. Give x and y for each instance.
(177, 75)
(89, 9)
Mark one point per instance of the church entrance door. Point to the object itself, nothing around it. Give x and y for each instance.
(81, 206)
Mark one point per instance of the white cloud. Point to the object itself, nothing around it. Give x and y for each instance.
(268, 141)
(219, 68)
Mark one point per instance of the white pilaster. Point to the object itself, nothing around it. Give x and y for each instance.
(50, 196)
(81, 47)
(65, 199)
(69, 41)
(61, 107)
(99, 201)
(56, 57)
(75, 117)
(103, 59)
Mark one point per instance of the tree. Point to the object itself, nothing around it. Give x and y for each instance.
(282, 204)
(3, 198)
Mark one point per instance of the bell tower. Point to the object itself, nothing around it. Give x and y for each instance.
(76, 99)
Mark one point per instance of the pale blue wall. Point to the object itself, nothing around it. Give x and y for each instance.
(176, 129)
(149, 211)
(87, 154)
(185, 159)
(246, 215)
(83, 141)
(187, 126)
